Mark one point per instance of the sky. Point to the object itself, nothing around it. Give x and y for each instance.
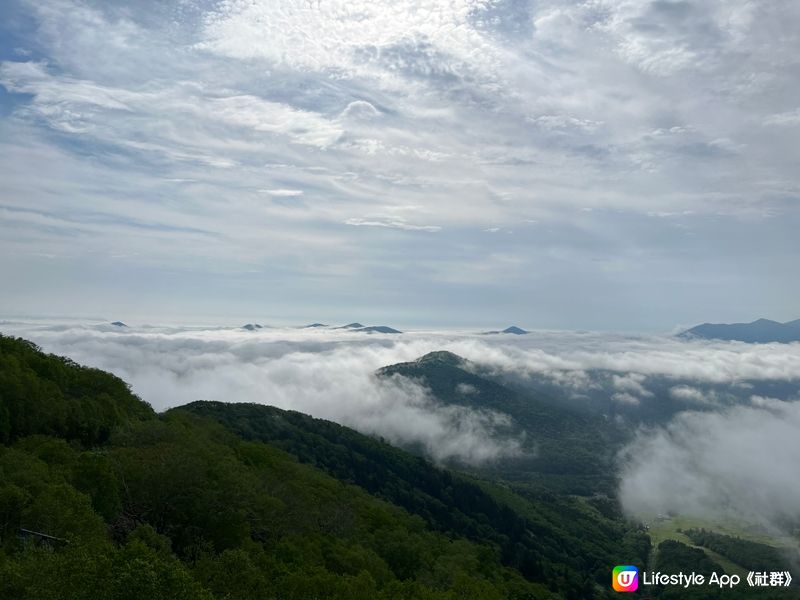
(608, 164)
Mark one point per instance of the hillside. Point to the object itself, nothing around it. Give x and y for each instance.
(568, 449)
(52, 395)
(102, 497)
(176, 506)
(543, 536)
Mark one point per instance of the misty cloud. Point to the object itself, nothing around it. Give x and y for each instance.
(691, 394)
(329, 373)
(632, 384)
(626, 398)
(466, 389)
(739, 463)
(326, 374)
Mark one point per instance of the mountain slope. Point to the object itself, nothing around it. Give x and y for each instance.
(561, 444)
(46, 394)
(176, 506)
(182, 506)
(544, 536)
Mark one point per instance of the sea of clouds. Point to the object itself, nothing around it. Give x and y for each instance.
(733, 460)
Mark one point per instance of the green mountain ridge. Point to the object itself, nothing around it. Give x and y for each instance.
(176, 506)
(569, 449)
(544, 542)
(100, 497)
(166, 504)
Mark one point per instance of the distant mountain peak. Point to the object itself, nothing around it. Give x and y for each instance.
(252, 326)
(118, 324)
(369, 328)
(378, 329)
(314, 325)
(515, 330)
(760, 331)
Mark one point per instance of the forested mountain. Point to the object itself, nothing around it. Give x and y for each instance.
(100, 497)
(568, 449)
(54, 396)
(544, 536)
(177, 506)
(617, 402)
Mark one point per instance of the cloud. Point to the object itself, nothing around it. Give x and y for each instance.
(392, 223)
(556, 122)
(328, 374)
(738, 463)
(283, 193)
(734, 461)
(693, 395)
(466, 389)
(33, 78)
(791, 117)
(360, 109)
(626, 398)
(480, 113)
(327, 36)
(304, 127)
(632, 358)
(632, 382)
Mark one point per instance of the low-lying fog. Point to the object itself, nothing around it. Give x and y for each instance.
(738, 460)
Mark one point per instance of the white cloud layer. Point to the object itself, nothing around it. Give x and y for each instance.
(329, 373)
(737, 464)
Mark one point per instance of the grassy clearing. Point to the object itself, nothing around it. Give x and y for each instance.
(670, 528)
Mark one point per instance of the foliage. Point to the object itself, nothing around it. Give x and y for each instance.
(176, 506)
(673, 557)
(753, 556)
(51, 395)
(545, 536)
(236, 501)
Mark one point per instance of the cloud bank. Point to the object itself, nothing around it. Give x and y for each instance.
(329, 373)
(740, 463)
(326, 374)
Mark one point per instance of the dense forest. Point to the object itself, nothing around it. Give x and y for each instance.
(100, 497)
(549, 537)
(751, 555)
(674, 557)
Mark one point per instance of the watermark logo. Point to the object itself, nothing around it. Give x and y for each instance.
(625, 578)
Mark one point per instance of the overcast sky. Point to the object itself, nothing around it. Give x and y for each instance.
(611, 164)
